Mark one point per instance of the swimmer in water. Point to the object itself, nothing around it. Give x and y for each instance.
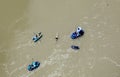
(56, 37)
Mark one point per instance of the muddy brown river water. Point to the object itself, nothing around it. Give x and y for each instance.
(99, 54)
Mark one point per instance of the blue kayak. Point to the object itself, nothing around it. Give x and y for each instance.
(36, 38)
(75, 47)
(78, 33)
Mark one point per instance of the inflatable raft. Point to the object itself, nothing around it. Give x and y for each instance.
(78, 33)
(34, 65)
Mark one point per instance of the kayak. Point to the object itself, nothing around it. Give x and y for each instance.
(36, 38)
(75, 47)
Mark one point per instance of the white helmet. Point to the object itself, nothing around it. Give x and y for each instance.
(79, 29)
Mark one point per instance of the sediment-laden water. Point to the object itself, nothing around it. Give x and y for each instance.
(98, 56)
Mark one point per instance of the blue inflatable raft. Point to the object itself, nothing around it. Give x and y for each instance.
(78, 33)
(33, 66)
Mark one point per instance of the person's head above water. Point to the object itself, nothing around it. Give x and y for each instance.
(56, 37)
